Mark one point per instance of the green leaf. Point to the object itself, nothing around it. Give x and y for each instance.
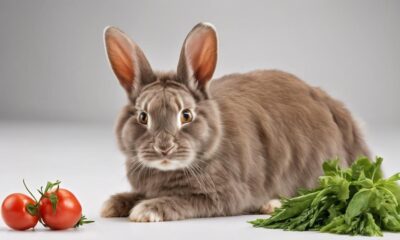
(331, 167)
(360, 168)
(387, 196)
(51, 185)
(83, 220)
(334, 184)
(394, 178)
(365, 183)
(376, 169)
(336, 225)
(391, 222)
(54, 200)
(358, 204)
(32, 209)
(371, 228)
(293, 207)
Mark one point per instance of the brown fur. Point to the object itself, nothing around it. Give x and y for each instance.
(255, 137)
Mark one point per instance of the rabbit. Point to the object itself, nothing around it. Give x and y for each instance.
(200, 148)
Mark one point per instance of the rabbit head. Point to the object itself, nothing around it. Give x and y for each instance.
(170, 120)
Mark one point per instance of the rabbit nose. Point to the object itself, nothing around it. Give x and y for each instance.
(164, 143)
(164, 149)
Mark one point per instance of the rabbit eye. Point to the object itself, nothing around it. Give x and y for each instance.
(143, 118)
(186, 116)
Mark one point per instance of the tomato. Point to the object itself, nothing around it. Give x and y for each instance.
(67, 213)
(15, 214)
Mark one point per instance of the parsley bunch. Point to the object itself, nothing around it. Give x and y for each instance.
(355, 201)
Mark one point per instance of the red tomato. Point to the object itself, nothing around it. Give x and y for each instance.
(67, 213)
(15, 214)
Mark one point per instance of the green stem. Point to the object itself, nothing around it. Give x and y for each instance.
(27, 189)
(83, 220)
(41, 222)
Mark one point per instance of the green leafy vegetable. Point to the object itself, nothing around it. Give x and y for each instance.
(355, 201)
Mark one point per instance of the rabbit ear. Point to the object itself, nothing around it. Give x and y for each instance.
(126, 59)
(199, 55)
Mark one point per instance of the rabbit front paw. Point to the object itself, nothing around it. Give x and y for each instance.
(157, 210)
(144, 212)
(120, 204)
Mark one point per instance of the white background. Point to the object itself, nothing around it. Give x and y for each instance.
(59, 99)
(53, 67)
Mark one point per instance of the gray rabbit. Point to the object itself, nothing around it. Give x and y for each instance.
(200, 148)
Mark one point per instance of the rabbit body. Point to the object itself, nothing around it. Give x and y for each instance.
(196, 148)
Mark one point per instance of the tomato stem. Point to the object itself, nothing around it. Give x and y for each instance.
(41, 222)
(27, 189)
(33, 209)
(48, 187)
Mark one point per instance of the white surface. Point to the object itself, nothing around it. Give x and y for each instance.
(88, 162)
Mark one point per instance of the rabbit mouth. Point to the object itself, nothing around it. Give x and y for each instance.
(177, 158)
(166, 164)
(173, 162)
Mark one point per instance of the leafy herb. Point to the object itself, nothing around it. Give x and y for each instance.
(355, 201)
